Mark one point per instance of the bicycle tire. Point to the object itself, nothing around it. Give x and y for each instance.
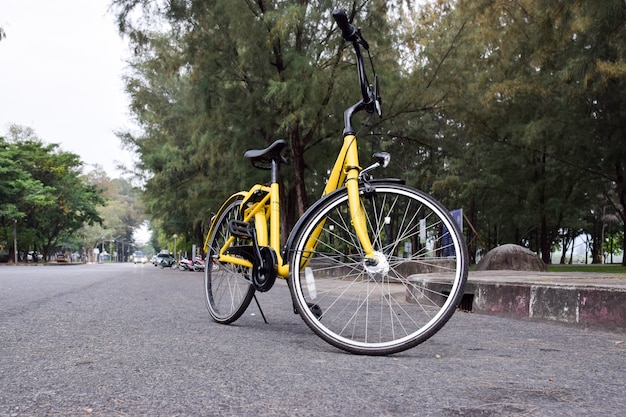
(399, 303)
(227, 287)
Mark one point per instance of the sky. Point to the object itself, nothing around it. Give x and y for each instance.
(61, 65)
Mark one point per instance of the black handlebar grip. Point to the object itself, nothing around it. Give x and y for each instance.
(347, 30)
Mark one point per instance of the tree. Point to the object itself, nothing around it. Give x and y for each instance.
(226, 76)
(510, 109)
(43, 191)
(514, 76)
(121, 214)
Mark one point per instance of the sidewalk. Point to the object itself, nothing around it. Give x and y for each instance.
(589, 300)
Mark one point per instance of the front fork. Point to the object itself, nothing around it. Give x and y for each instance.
(357, 214)
(346, 170)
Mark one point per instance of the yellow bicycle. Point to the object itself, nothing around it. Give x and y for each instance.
(374, 267)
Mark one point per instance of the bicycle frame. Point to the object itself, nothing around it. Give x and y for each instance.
(360, 274)
(345, 171)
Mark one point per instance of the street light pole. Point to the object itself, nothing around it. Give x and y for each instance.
(15, 240)
(175, 236)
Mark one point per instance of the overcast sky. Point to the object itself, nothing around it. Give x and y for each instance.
(60, 74)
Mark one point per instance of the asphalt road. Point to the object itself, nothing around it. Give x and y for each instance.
(129, 340)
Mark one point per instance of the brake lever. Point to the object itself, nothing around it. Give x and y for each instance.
(379, 109)
(377, 98)
(374, 103)
(370, 104)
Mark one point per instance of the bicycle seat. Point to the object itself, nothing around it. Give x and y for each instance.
(260, 157)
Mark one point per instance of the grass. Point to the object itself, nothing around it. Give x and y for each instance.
(603, 268)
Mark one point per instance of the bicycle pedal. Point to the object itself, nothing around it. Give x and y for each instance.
(240, 229)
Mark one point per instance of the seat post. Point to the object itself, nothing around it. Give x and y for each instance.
(274, 232)
(274, 176)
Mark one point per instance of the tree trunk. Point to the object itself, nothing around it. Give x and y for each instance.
(566, 243)
(545, 243)
(571, 254)
(287, 212)
(620, 186)
(297, 150)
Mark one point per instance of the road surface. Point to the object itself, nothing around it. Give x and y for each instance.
(129, 340)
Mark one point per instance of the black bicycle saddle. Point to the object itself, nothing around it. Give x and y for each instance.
(260, 157)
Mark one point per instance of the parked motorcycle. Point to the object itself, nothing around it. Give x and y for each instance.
(185, 264)
(196, 264)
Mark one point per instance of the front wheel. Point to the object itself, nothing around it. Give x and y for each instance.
(228, 288)
(402, 300)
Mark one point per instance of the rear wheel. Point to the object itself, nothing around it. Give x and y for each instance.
(402, 300)
(228, 288)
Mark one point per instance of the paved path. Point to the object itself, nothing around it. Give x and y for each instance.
(125, 340)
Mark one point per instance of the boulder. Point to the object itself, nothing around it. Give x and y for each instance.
(511, 257)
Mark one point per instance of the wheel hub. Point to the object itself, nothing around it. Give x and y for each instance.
(378, 270)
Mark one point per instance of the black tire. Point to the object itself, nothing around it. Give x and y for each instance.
(228, 289)
(397, 304)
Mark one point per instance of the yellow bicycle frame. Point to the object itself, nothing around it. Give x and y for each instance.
(345, 171)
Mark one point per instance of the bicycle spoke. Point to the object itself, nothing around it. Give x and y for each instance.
(390, 306)
(227, 288)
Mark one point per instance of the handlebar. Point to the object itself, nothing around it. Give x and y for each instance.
(371, 100)
(347, 30)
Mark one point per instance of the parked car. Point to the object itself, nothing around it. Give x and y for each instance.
(60, 257)
(34, 256)
(164, 259)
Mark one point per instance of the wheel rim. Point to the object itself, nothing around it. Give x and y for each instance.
(369, 310)
(227, 293)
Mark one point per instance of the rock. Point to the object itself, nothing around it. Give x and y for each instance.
(511, 257)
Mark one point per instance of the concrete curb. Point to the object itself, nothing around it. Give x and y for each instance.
(583, 299)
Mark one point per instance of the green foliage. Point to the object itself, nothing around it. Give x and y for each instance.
(513, 110)
(121, 213)
(603, 269)
(41, 188)
(226, 76)
(533, 90)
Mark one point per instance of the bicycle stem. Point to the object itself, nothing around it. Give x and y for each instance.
(347, 117)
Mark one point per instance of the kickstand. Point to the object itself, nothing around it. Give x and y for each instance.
(261, 310)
